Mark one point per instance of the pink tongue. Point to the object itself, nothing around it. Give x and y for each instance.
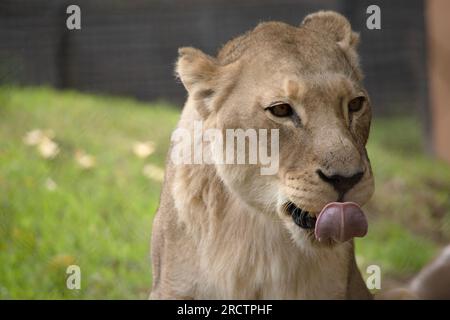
(340, 222)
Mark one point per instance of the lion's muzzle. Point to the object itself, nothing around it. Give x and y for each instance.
(337, 222)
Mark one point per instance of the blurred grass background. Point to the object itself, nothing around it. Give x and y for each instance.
(54, 212)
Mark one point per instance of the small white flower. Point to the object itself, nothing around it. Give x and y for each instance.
(36, 136)
(48, 148)
(153, 172)
(143, 149)
(33, 137)
(50, 184)
(86, 161)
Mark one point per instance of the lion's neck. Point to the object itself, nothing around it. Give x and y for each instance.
(250, 252)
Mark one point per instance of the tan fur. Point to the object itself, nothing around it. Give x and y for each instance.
(221, 231)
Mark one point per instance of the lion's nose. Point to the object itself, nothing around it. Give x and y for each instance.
(341, 183)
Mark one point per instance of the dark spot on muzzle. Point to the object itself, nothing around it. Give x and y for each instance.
(301, 217)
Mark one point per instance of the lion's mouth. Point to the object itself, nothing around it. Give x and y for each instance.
(338, 221)
(301, 217)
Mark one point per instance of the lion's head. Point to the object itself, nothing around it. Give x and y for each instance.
(306, 82)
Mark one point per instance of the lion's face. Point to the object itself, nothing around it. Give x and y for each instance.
(306, 83)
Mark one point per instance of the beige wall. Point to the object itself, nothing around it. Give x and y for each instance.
(438, 25)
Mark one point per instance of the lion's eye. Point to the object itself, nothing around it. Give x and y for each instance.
(356, 104)
(281, 110)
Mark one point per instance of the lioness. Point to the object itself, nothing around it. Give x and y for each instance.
(226, 231)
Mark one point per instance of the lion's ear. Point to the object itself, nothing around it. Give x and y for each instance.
(333, 24)
(198, 72)
(195, 69)
(204, 78)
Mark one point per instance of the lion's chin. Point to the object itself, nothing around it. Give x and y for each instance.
(305, 239)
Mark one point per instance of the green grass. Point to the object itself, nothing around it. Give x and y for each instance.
(100, 219)
(410, 210)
